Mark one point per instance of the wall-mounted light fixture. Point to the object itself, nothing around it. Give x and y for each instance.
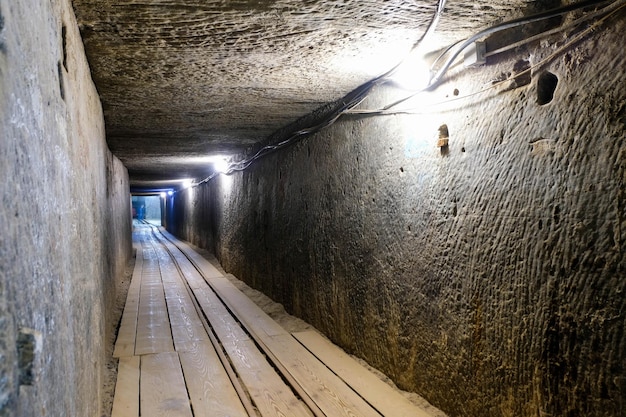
(221, 166)
(413, 73)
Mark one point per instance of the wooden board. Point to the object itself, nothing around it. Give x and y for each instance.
(125, 342)
(268, 391)
(329, 392)
(154, 334)
(272, 397)
(224, 325)
(247, 311)
(381, 396)
(211, 392)
(126, 400)
(192, 276)
(187, 329)
(162, 387)
(207, 268)
(332, 395)
(270, 394)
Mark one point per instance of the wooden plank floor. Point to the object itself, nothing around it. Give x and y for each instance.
(382, 397)
(125, 344)
(210, 389)
(191, 344)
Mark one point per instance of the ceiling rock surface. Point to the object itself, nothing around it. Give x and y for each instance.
(181, 79)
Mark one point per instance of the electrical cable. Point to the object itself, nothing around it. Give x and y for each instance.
(508, 25)
(547, 33)
(614, 8)
(460, 46)
(358, 95)
(354, 102)
(244, 164)
(429, 30)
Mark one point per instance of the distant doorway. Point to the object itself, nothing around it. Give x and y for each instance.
(147, 207)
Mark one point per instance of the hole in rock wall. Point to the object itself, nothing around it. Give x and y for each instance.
(546, 85)
(3, 48)
(64, 41)
(557, 214)
(444, 135)
(61, 85)
(442, 141)
(29, 344)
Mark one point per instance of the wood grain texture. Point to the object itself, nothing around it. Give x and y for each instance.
(187, 328)
(247, 311)
(329, 393)
(224, 325)
(153, 327)
(126, 400)
(211, 391)
(268, 391)
(162, 387)
(380, 395)
(208, 270)
(270, 394)
(125, 343)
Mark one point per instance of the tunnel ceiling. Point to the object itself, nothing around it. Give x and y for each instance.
(183, 79)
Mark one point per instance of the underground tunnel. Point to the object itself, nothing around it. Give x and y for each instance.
(420, 203)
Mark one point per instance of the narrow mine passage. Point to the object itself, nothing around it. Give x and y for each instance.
(463, 230)
(191, 344)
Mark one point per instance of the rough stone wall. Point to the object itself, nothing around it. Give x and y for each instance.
(200, 74)
(64, 217)
(488, 276)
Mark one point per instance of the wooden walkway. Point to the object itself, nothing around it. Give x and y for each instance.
(191, 344)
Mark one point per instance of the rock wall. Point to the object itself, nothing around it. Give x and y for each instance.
(64, 219)
(487, 275)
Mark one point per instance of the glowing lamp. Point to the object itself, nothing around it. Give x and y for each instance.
(221, 166)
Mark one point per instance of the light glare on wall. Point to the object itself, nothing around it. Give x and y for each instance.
(413, 73)
(226, 184)
(219, 162)
(221, 166)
